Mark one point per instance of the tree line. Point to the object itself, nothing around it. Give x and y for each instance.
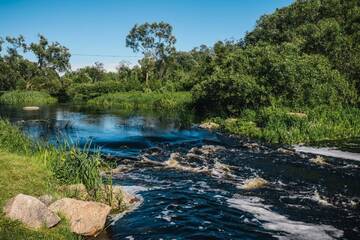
(303, 55)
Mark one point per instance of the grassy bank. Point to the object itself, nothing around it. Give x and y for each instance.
(37, 169)
(142, 101)
(28, 175)
(282, 125)
(22, 170)
(24, 98)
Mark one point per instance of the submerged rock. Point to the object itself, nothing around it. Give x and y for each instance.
(319, 160)
(286, 151)
(209, 126)
(86, 218)
(254, 183)
(30, 211)
(205, 150)
(253, 146)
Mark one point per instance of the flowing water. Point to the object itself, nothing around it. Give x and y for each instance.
(206, 190)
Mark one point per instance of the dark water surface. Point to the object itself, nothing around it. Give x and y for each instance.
(201, 194)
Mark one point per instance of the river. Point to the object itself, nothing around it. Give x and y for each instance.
(202, 194)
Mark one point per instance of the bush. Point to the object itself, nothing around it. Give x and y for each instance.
(86, 91)
(230, 95)
(23, 98)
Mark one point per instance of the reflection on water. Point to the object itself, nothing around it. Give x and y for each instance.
(197, 194)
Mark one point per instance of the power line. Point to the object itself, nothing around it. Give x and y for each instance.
(104, 55)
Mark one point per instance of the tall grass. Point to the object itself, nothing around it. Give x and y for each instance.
(68, 164)
(142, 101)
(284, 125)
(23, 98)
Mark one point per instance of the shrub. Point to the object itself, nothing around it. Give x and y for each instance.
(230, 94)
(86, 91)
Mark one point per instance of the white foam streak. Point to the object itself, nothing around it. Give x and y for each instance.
(276, 222)
(328, 152)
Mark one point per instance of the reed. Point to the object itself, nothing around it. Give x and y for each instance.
(24, 98)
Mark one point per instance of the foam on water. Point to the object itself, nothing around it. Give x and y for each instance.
(276, 222)
(328, 152)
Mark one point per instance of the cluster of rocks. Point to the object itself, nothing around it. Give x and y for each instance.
(85, 218)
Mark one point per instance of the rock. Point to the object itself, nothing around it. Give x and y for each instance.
(125, 197)
(254, 146)
(254, 183)
(319, 160)
(46, 199)
(30, 211)
(206, 149)
(86, 218)
(31, 108)
(77, 191)
(209, 126)
(154, 151)
(286, 151)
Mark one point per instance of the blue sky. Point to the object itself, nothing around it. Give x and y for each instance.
(99, 27)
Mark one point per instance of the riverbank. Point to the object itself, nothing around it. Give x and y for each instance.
(28, 175)
(142, 101)
(25, 98)
(287, 126)
(269, 124)
(37, 169)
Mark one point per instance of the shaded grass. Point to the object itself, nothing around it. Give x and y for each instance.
(290, 126)
(143, 101)
(24, 98)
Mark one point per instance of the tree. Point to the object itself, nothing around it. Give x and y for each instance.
(54, 55)
(155, 41)
(16, 43)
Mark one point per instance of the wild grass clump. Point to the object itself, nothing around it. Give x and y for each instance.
(71, 165)
(24, 98)
(67, 163)
(284, 125)
(143, 101)
(12, 139)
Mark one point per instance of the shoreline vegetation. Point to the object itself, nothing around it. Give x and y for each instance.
(274, 124)
(26, 98)
(278, 125)
(40, 169)
(169, 101)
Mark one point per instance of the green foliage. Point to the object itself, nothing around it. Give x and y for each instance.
(12, 139)
(141, 100)
(280, 125)
(230, 95)
(71, 165)
(23, 98)
(330, 28)
(27, 175)
(86, 91)
(23, 170)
